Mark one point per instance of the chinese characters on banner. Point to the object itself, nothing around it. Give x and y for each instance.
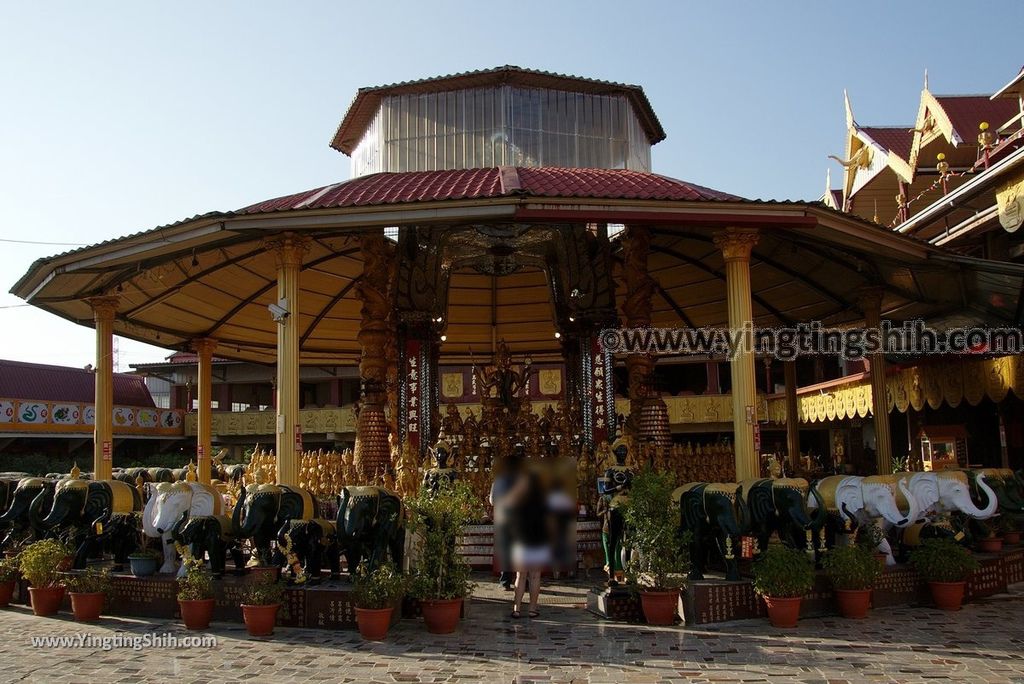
(298, 438)
(600, 384)
(107, 450)
(412, 392)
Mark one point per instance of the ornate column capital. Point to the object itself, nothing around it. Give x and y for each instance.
(289, 248)
(104, 307)
(736, 243)
(204, 347)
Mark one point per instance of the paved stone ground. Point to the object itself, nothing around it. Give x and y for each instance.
(982, 643)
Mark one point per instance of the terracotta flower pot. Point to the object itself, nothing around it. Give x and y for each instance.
(46, 600)
(88, 606)
(853, 603)
(659, 606)
(374, 623)
(990, 544)
(6, 593)
(1011, 538)
(947, 595)
(259, 620)
(196, 613)
(783, 612)
(441, 615)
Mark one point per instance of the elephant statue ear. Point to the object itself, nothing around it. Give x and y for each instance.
(925, 489)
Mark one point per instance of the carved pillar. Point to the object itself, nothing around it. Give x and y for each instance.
(736, 245)
(871, 306)
(640, 288)
(103, 310)
(372, 454)
(289, 251)
(792, 416)
(204, 349)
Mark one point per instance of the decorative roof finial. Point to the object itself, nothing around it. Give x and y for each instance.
(926, 78)
(850, 122)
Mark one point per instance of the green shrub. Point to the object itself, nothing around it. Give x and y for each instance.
(440, 571)
(197, 583)
(90, 581)
(264, 591)
(652, 524)
(869, 536)
(943, 560)
(9, 569)
(378, 589)
(42, 562)
(782, 572)
(851, 567)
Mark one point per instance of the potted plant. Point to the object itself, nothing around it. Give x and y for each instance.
(144, 563)
(661, 561)
(1009, 529)
(853, 571)
(9, 574)
(88, 591)
(375, 595)
(990, 540)
(945, 565)
(440, 575)
(782, 576)
(261, 600)
(40, 563)
(195, 595)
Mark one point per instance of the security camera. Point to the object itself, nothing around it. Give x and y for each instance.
(279, 311)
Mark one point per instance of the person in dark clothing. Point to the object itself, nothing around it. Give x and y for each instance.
(503, 482)
(531, 537)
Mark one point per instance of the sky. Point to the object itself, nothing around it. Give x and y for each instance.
(119, 117)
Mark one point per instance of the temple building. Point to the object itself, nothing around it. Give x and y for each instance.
(494, 224)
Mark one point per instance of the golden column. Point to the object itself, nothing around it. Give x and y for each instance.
(204, 349)
(103, 310)
(792, 416)
(289, 250)
(640, 287)
(736, 245)
(871, 306)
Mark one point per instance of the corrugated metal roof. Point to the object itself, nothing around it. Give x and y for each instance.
(896, 139)
(424, 186)
(43, 382)
(965, 112)
(365, 103)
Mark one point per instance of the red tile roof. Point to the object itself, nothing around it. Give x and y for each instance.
(896, 139)
(426, 186)
(43, 382)
(965, 112)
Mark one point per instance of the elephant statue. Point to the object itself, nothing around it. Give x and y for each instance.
(262, 510)
(943, 527)
(208, 535)
(170, 502)
(842, 498)
(1007, 488)
(950, 491)
(783, 506)
(371, 523)
(311, 541)
(29, 503)
(885, 497)
(160, 474)
(715, 514)
(84, 506)
(131, 476)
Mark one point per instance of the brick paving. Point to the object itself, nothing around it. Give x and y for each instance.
(982, 643)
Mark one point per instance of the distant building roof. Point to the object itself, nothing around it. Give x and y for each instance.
(43, 382)
(366, 101)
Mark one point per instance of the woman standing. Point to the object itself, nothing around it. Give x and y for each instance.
(531, 538)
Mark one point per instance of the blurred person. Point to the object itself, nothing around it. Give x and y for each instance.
(563, 509)
(508, 474)
(531, 537)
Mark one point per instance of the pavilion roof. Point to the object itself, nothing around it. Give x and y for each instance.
(45, 382)
(213, 276)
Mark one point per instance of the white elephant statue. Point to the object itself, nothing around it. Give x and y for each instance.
(843, 498)
(947, 491)
(168, 504)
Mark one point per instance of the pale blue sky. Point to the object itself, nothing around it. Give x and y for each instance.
(117, 117)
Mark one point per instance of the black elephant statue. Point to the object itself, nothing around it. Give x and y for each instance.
(131, 476)
(715, 516)
(209, 536)
(780, 506)
(78, 505)
(29, 503)
(312, 541)
(371, 523)
(117, 533)
(262, 510)
(160, 475)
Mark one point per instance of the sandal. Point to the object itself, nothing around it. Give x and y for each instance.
(515, 615)
(533, 613)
